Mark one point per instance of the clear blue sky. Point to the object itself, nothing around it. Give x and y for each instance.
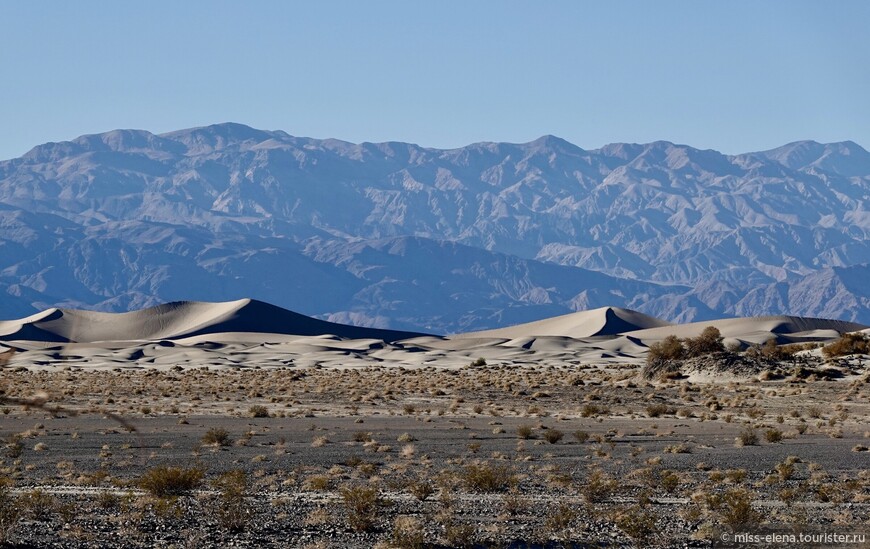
(733, 75)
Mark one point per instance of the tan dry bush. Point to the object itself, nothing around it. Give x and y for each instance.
(408, 533)
(488, 477)
(217, 436)
(164, 481)
(636, 523)
(363, 504)
(524, 432)
(598, 487)
(232, 510)
(848, 344)
(735, 509)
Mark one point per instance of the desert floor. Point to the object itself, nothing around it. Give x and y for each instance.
(483, 455)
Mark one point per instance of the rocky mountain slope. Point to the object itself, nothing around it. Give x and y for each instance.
(394, 235)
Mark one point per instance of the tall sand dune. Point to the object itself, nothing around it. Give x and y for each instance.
(177, 320)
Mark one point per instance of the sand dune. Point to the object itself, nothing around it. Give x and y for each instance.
(247, 333)
(596, 322)
(179, 320)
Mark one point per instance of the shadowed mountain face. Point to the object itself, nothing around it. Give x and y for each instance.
(393, 235)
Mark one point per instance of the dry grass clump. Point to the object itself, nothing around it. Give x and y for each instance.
(165, 481)
(10, 510)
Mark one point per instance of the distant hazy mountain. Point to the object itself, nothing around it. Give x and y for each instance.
(400, 236)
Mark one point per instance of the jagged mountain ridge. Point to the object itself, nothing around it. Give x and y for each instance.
(129, 219)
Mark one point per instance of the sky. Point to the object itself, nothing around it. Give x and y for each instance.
(734, 76)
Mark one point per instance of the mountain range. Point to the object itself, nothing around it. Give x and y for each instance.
(394, 235)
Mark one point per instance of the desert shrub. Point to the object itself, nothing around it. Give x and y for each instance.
(38, 504)
(736, 475)
(657, 410)
(258, 411)
(165, 481)
(560, 517)
(707, 342)
(637, 524)
(553, 435)
(317, 483)
(10, 511)
(524, 432)
(363, 504)
(599, 486)
(581, 436)
(514, 503)
(487, 477)
(408, 533)
(421, 490)
(849, 344)
(362, 436)
(773, 435)
(663, 357)
(232, 512)
(406, 437)
(217, 436)
(459, 534)
(747, 437)
(13, 447)
(785, 469)
(736, 508)
(669, 481)
(592, 410)
(479, 362)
